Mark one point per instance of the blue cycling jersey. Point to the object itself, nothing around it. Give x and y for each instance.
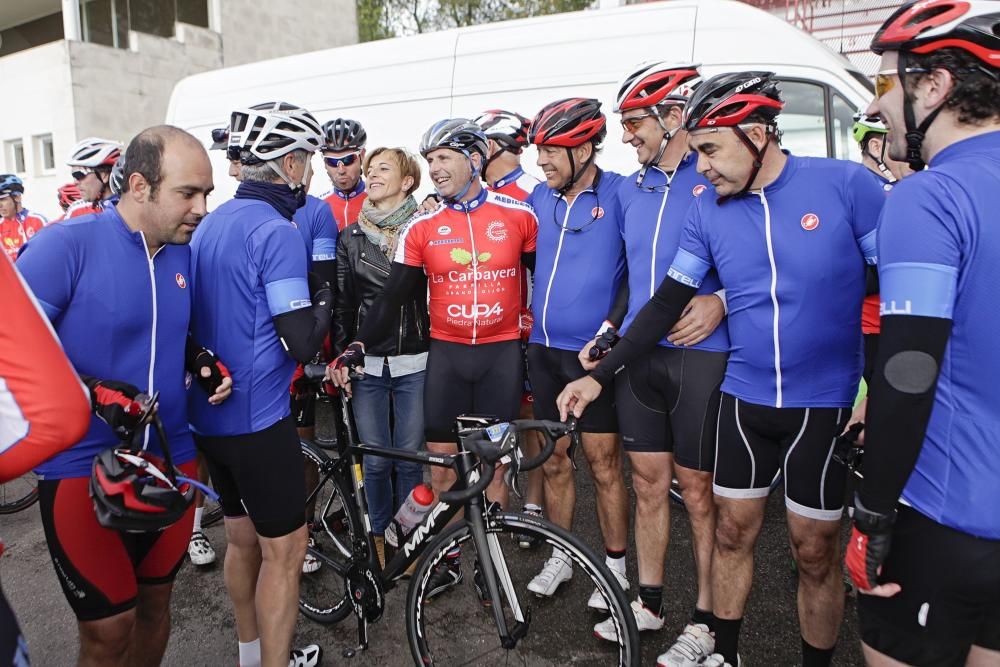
(120, 316)
(941, 250)
(791, 258)
(318, 229)
(579, 262)
(248, 266)
(654, 216)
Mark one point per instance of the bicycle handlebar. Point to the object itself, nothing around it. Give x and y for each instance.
(317, 373)
(489, 452)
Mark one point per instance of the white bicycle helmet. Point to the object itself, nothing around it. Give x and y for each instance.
(656, 83)
(95, 152)
(269, 131)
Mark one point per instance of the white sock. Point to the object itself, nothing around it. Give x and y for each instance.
(531, 507)
(615, 563)
(198, 511)
(250, 653)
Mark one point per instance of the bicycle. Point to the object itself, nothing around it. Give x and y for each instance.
(18, 494)
(501, 617)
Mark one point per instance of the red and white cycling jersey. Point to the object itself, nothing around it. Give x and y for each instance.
(15, 232)
(44, 408)
(82, 207)
(471, 254)
(346, 205)
(516, 184)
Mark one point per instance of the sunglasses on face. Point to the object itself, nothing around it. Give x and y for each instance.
(632, 124)
(341, 161)
(233, 153)
(81, 173)
(886, 79)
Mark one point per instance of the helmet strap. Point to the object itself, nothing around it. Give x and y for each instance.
(457, 199)
(574, 174)
(880, 159)
(488, 161)
(914, 133)
(758, 159)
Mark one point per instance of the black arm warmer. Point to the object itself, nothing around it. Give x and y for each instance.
(620, 307)
(902, 394)
(302, 331)
(400, 284)
(327, 271)
(191, 352)
(345, 301)
(650, 326)
(528, 259)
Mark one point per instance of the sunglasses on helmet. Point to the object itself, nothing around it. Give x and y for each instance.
(342, 160)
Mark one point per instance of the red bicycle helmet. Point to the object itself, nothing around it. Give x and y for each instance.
(68, 194)
(930, 25)
(726, 100)
(568, 123)
(135, 491)
(653, 84)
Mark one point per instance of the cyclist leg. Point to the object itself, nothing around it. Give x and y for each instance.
(814, 495)
(94, 568)
(747, 458)
(497, 391)
(948, 609)
(695, 377)
(13, 647)
(200, 549)
(447, 394)
(643, 412)
(534, 495)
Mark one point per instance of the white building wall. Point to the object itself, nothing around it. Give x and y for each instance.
(43, 105)
(261, 30)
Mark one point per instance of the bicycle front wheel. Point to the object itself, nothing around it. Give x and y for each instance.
(18, 494)
(458, 628)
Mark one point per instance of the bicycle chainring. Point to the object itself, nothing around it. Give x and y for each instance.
(367, 593)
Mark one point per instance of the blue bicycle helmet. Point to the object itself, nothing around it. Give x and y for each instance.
(10, 185)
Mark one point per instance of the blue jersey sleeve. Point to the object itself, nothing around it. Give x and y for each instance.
(324, 233)
(277, 252)
(919, 250)
(866, 201)
(48, 264)
(693, 259)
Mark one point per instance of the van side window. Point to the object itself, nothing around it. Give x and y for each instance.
(803, 120)
(844, 146)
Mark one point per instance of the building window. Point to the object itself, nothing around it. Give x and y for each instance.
(45, 154)
(153, 17)
(193, 12)
(15, 156)
(105, 22)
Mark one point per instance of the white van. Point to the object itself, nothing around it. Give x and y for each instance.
(396, 88)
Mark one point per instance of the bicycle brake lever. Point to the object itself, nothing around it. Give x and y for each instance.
(574, 441)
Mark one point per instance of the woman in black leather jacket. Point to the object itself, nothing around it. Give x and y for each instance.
(394, 365)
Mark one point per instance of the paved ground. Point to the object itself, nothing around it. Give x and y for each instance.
(203, 633)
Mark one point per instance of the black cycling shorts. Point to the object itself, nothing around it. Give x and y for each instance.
(304, 410)
(470, 379)
(260, 475)
(668, 401)
(551, 370)
(13, 647)
(100, 570)
(950, 597)
(754, 442)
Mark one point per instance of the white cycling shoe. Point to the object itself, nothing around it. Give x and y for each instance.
(310, 564)
(716, 660)
(556, 571)
(692, 648)
(645, 619)
(200, 550)
(596, 601)
(307, 656)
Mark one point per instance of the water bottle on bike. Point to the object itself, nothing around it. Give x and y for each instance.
(410, 514)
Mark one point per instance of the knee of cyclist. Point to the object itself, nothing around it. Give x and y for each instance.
(816, 558)
(290, 548)
(731, 536)
(557, 465)
(108, 637)
(650, 489)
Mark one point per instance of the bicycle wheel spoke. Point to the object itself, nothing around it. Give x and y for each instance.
(456, 627)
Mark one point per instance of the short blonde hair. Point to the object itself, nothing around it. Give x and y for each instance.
(403, 159)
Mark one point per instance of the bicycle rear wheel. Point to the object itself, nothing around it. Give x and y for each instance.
(322, 593)
(458, 629)
(18, 494)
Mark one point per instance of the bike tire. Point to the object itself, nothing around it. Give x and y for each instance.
(18, 494)
(466, 633)
(323, 595)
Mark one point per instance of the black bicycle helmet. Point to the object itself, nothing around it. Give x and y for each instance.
(117, 179)
(10, 185)
(343, 134)
(507, 128)
(128, 496)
